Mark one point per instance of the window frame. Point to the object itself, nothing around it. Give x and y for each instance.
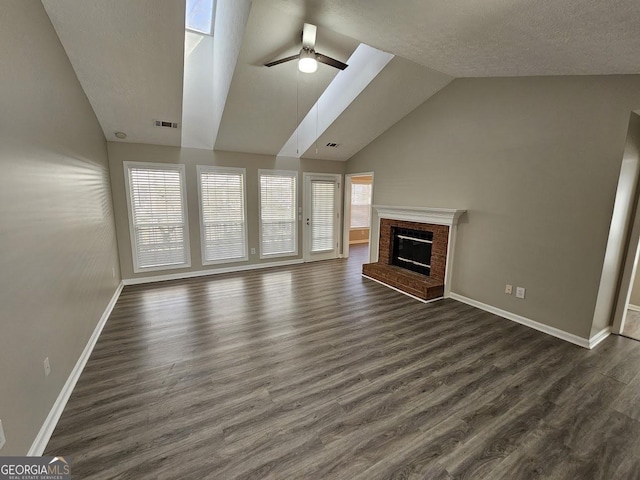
(276, 173)
(180, 168)
(216, 169)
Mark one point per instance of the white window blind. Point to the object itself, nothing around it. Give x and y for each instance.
(158, 220)
(323, 215)
(360, 205)
(278, 213)
(222, 214)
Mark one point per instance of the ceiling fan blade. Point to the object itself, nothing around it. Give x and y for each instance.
(309, 36)
(282, 60)
(330, 61)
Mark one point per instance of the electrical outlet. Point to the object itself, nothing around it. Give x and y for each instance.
(253, 251)
(520, 292)
(3, 439)
(47, 367)
(508, 289)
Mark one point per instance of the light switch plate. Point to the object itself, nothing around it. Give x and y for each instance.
(520, 292)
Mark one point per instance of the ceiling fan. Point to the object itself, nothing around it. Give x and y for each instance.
(308, 58)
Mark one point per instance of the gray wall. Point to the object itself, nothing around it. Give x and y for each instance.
(535, 161)
(58, 267)
(120, 152)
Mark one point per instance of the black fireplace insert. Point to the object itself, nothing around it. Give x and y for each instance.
(412, 250)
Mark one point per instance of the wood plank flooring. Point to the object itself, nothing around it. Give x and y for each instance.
(311, 372)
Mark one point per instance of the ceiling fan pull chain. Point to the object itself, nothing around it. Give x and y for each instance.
(317, 113)
(297, 112)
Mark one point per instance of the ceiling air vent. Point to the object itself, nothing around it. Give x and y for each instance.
(333, 145)
(162, 123)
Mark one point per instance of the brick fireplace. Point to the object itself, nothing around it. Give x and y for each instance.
(414, 250)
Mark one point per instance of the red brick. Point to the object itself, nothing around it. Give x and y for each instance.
(411, 282)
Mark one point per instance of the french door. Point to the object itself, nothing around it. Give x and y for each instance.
(321, 216)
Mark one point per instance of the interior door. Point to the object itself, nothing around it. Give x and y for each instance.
(321, 216)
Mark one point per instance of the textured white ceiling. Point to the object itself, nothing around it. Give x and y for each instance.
(471, 38)
(397, 90)
(264, 105)
(230, 24)
(128, 56)
(365, 64)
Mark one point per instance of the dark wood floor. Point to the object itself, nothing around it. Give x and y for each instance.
(632, 325)
(311, 372)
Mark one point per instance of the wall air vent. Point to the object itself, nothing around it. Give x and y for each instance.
(162, 123)
(333, 145)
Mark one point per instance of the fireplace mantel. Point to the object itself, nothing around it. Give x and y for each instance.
(438, 216)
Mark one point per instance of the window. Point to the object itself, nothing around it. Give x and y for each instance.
(323, 215)
(278, 213)
(223, 223)
(360, 205)
(199, 16)
(157, 216)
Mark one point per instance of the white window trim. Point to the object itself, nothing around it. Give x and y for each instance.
(289, 173)
(243, 172)
(134, 253)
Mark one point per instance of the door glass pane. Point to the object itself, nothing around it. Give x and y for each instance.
(323, 215)
(278, 214)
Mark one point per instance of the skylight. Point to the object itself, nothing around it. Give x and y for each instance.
(199, 16)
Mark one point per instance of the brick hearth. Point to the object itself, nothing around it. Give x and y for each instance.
(421, 286)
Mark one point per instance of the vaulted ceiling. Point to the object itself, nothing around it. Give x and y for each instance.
(129, 58)
(489, 38)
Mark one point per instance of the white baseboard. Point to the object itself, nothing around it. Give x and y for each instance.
(404, 293)
(40, 443)
(599, 337)
(635, 308)
(541, 327)
(204, 273)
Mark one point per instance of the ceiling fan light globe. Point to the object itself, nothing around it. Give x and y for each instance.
(307, 62)
(307, 65)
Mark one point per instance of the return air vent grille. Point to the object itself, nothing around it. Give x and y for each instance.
(163, 123)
